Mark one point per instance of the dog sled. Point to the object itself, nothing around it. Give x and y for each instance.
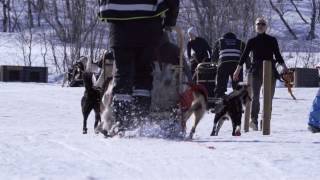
(205, 75)
(172, 95)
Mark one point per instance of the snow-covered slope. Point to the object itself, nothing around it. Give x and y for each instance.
(40, 138)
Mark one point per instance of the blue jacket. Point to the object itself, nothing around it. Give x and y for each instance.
(314, 116)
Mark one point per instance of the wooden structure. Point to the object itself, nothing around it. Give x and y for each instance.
(267, 97)
(306, 77)
(247, 113)
(23, 74)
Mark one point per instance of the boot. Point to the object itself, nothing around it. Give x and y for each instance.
(313, 129)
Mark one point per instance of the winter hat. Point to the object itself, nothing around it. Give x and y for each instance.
(193, 31)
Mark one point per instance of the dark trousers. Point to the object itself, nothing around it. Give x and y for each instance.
(132, 82)
(226, 70)
(133, 69)
(257, 80)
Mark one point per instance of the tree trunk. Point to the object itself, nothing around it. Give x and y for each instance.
(30, 16)
(283, 20)
(30, 46)
(299, 13)
(312, 34)
(40, 8)
(5, 16)
(319, 11)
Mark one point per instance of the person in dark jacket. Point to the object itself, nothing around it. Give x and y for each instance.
(135, 31)
(314, 115)
(198, 49)
(227, 52)
(263, 47)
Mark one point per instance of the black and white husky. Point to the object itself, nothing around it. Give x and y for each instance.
(231, 107)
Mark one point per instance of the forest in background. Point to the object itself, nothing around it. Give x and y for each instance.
(68, 29)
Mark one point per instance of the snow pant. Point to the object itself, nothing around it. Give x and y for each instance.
(314, 115)
(226, 70)
(132, 83)
(257, 80)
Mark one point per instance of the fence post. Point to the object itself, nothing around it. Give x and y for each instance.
(247, 113)
(267, 96)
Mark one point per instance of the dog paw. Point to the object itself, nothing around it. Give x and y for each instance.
(84, 131)
(96, 131)
(213, 133)
(190, 137)
(238, 133)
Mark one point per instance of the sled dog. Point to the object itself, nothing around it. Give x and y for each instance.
(231, 107)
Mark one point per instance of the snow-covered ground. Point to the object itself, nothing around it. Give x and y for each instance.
(41, 130)
(40, 138)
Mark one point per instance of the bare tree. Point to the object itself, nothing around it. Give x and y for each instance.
(214, 17)
(44, 48)
(73, 22)
(39, 8)
(29, 45)
(30, 15)
(25, 39)
(16, 16)
(312, 34)
(54, 55)
(298, 11)
(318, 11)
(281, 15)
(21, 44)
(6, 15)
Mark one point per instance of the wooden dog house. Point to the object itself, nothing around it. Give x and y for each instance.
(306, 77)
(23, 74)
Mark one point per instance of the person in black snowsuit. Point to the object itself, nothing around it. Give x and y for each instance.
(135, 31)
(198, 49)
(226, 54)
(263, 47)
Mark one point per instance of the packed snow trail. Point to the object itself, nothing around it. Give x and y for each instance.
(41, 138)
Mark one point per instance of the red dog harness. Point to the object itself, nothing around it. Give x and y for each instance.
(186, 97)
